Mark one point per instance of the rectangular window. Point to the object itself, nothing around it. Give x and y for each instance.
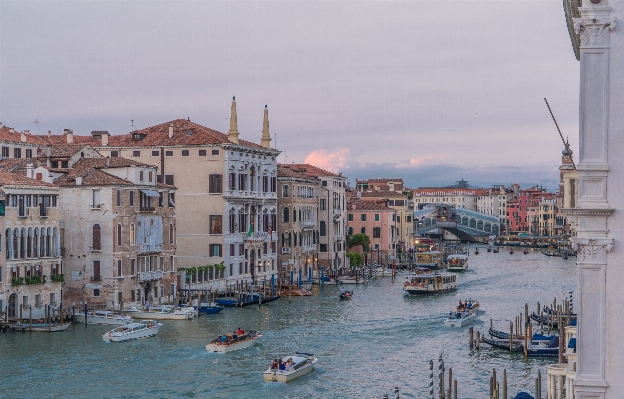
(322, 231)
(185, 153)
(160, 199)
(65, 164)
(141, 177)
(171, 265)
(215, 250)
(136, 153)
(131, 197)
(114, 154)
(118, 197)
(214, 152)
(96, 199)
(376, 232)
(5, 152)
(38, 300)
(171, 200)
(323, 248)
(242, 178)
(96, 270)
(28, 153)
(350, 217)
(132, 266)
(215, 224)
(273, 184)
(408, 218)
(376, 217)
(232, 249)
(54, 164)
(324, 184)
(265, 184)
(202, 153)
(215, 184)
(363, 217)
(149, 176)
(232, 181)
(363, 230)
(155, 153)
(119, 273)
(323, 204)
(168, 153)
(17, 152)
(132, 296)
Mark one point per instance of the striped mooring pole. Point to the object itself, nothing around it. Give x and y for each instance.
(441, 372)
(571, 307)
(396, 392)
(431, 379)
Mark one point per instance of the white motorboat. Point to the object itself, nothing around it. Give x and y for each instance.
(143, 329)
(302, 364)
(457, 263)
(190, 310)
(157, 313)
(430, 283)
(382, 272)
(460, 319)
(247, 339)
(104, 317)
(349, 280)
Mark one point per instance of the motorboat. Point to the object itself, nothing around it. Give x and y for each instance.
(105, 317)
(346, 295)
(158, 313)
(460, 319)
(431, 283)
(40, 327)
(233, 342)
(143, 329)
(190, 310)
(209, 308)
(383, 272)
(430, 260)
(457, 263)
(302, 364)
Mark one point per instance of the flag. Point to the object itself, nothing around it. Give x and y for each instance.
(250, 232)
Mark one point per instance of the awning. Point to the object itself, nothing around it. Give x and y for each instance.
(151, 193)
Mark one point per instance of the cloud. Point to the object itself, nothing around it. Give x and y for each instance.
(333, 161)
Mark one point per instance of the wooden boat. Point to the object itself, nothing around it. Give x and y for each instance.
(303, 363)
(40, 327)
(143, 329)
(511, 251)
(489, 249)
(301, 292)
(105, 317)
(346, 295)
(457, 263)
(534, 348)
(247, 339)
(460, 319)
(505, 336)
(349, 280)
(495, 250)
(476, 251)
(432, 283)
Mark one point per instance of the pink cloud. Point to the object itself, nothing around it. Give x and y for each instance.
(330, 161)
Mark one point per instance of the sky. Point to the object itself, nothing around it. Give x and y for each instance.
(429, 91)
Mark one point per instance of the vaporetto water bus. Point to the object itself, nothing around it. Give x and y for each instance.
(431, 283)
(430, 260)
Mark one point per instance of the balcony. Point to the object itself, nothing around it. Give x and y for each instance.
(337, 211)
(337, 237)
(308, 248)
(258, 236)
(285, 251)
(147, 209)
(148, 276)
(308, 224)
(146, 248)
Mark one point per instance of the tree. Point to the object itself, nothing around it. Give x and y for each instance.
(355, 259)
(359, 239)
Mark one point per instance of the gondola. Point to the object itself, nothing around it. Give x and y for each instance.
(495, 250)
(546, 321)
(535, 349)
(511, 251)
(489, 249)
(346, 295)
(505, 336)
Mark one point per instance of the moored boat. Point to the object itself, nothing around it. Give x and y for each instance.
(158, 313)
(235, 341)
(105, 317)
(349, 280)
(383, 272)
(301, 364)
(143, 329)
(430, 260)
(457, 263)
(432, 283)
(40, 327)
(209, 308)
(346, 295)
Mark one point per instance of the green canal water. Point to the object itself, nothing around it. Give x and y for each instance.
(365, 346)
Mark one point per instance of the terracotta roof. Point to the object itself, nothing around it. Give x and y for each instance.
(368, 206)
(65, 150)
(383, 194)
(383, 180)
(16, 137)
(114, 162)
(311, 170)
(158, 135)
(286, 170)
(20, 179)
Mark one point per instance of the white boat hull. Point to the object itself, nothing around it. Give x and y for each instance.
(232, 347)
(464, 321)
(111, 321)
(384, 272)
(350, 280)
(141, 314)
(457, 268)
(44, 328)
(111, 336)
(287, 376)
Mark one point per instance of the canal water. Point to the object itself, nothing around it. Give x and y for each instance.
(367, 346)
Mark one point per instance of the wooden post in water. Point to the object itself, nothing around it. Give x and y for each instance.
(538, 394)
(30, 320)
(431, 394)
(49, 318)
(21, 312)
(511, 335)
(450, 384)
(526, 313)
(491, 387)
(494, 383)
(478, 343)
(455, 389)
(471, 335)
(85, 310)
(525, 342)
(396, 392)
(562, 344)
(504, 383)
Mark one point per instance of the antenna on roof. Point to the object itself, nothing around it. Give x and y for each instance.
(566, 145)
(132, 125)
(36, 122)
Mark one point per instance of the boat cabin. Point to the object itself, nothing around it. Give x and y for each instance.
(430, 260)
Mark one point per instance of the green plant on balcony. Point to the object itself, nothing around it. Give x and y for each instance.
(17, 281)
(36, 279)
(59, 278)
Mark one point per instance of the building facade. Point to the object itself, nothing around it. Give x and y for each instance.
(378, 221)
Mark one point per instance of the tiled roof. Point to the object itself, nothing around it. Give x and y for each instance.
(16, 137)
(311, 170)
(368, 206)
(286, 170)
(383, 194)
(383, 180)
(115, 162)
(65, 150)
(20, 179)
(158, 135)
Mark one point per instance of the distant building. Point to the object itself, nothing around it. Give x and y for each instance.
(378, 221)
(380, 185)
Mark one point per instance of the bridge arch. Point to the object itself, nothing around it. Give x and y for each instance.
(464, 221)
(487, 227)
(473, 223)
(495, 229)
(480, 225)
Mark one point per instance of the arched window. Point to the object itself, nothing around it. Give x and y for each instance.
(363, 230)
(473, 223)
(495, 229)
(132, 234)
(295, 237)
(350, 231)
(465, 221)
(97, 235)
(119, 235)
(479, 225)
(286, 215)
(294, 215)
(285, 191)
(171, 237)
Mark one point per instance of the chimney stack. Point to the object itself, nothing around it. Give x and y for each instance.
(30, 171)
(23, 136)
(1, 125)
(170, 130)
(266, 136)
(11, 130)
(233, 132)
(79, 180)
(49, 133)
(69, 134)
(104, 139)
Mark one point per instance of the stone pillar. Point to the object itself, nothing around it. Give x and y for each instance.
(598, 132)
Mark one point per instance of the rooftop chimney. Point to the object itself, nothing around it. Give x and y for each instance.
(266, 136)
(233, 132)
(30, 171)
(79, 180)
(104, 139)
(23, 136)
(1, 125)
(69, 134)
(49, 133)
(11, 130)
(170, 130)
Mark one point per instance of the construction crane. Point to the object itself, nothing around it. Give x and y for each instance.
(565, 144)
